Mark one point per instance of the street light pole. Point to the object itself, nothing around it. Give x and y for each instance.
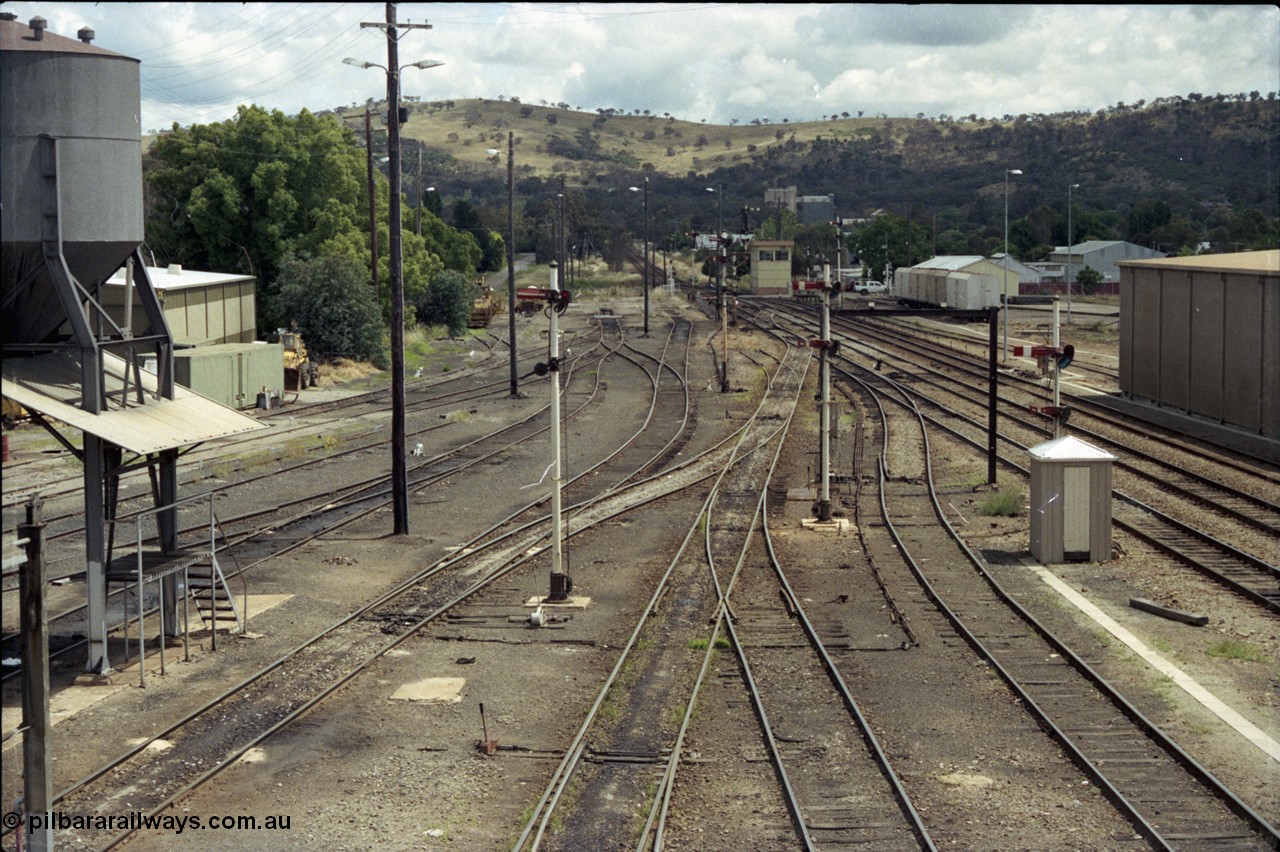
(646, 257)
(511, 257)
(645, 286)
(720, 294)
(1070, 243)
(373, 208)
(417, 218)
(1007, 172)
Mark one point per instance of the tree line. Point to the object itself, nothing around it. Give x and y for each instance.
(286, 199)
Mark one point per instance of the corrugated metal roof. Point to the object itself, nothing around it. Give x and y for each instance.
(176, 278)
(50, 384)
(1261, 262)
(1068, 448)
(952, 262)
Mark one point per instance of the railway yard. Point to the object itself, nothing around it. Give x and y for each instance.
(726, 675)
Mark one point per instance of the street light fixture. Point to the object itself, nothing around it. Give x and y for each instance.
(1070, 242)
(511, 255)
(399, 468)
(1007, 172)
(646, 252)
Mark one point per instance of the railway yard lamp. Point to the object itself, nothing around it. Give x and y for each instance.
(1070, 242)
(646, 252)
(1007, 172)
(399, 470)
(511, 256)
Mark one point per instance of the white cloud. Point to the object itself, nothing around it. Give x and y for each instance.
(713, 62)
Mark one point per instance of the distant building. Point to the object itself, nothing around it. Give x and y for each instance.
(200, 307)
(1101, 256)
(775, 198)
(707, 242)
(808, 209)
(815, 209)
(1026, 273)
(1050, 273)
(966, 282)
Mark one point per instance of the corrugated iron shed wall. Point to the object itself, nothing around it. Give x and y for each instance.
(1202, 335)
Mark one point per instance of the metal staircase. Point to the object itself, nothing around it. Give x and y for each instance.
(214, 601)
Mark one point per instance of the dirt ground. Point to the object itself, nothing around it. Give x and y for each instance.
(367, 769)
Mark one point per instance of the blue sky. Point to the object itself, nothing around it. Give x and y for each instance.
(712, 62)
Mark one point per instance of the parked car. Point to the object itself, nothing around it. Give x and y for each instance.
(866, 288)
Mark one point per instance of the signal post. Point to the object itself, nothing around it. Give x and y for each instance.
(1060, 357)
(824, 520)
(561, 583)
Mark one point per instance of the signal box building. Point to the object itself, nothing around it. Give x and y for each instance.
(1201, 335)
(770, 267)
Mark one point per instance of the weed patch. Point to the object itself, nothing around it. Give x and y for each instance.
(1234, 649)
(1005, 503)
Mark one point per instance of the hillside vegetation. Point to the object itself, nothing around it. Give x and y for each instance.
(1191, 165)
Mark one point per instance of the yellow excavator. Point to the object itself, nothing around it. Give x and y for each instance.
(300, 372)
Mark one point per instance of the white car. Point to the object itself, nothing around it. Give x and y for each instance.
(866, 288)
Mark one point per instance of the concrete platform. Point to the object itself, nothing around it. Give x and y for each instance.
(88, 690)
(432, 690)
(1228, 437)
(835, 525)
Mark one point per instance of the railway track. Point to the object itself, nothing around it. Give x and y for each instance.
(296, 682)
(288, 524)
(839, 782)
(607, 774)
(1240, 570)
(1170, 799)
(419, 391)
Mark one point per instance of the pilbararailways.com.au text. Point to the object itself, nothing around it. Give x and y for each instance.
(140, 821)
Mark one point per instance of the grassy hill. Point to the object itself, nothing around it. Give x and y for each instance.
(1207, 158)
(551, 140)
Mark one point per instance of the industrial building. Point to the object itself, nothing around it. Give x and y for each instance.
(808, 209)
(815, 209)
(965, 282)
(1102, 256)
(200, 307)
(1201, 335)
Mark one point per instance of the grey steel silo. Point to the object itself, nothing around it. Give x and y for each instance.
(87, 99)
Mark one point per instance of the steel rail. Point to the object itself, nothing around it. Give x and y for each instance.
(540, 817)
(1149, 728)
(1264, 595)
(468, 552)
(344, 499)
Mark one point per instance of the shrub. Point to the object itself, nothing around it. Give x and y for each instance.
(448, 302)
(331, 302)
(1004, 503)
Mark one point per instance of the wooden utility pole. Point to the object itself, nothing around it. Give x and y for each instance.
(37, 771)
(399, 468)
